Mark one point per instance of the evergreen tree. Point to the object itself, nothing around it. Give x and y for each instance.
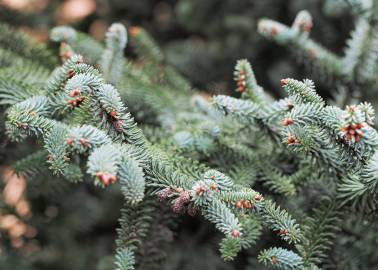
(292, 183)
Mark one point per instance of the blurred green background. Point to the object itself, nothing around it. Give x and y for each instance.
(203, 39)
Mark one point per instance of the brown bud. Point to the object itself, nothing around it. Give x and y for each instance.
(213, 186)
(235, 234)
(134, 31)
(274, 31)
(164, 193)
(113, 114)
(74, 92)
(106, 178)
(69, 141)
(290, 105)
(246, 204)
(287, 121)
(83, 142)
(239, 204)
(70, 73)
(290, 139)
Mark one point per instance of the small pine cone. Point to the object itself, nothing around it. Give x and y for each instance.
(177, 206)
(164, 194)
(184, 197)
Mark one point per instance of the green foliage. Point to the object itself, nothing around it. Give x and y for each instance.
(187, 154)
(281, 258)
(124, 259)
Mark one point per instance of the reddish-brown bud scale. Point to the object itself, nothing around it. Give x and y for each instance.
(134, 31)
(283, 82)
(290, 139)
(79, 99)
(274, 31)
(200, 190)
(70, 73)
(177, 206)
(246, 204)
(184, 197)
(117, 125)
(69, 141)
(164, 193)
(106, 178)
(287, 122)
(213, 186)
(113, 114)
(67, 55)
(83, 142)
(258, 197)
(235, 234)
(273, 260)
(283, 232)
(241, 83)
(239, 204)
(74, 92)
